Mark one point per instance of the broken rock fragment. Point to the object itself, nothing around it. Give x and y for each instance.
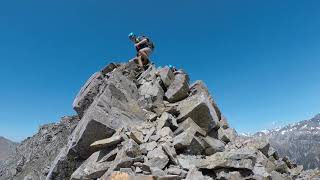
(178, 89)
(167, 76)
(200, 110)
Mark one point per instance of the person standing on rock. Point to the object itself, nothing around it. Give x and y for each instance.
(144, 47)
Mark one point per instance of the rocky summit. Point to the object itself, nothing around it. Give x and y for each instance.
(151, 124)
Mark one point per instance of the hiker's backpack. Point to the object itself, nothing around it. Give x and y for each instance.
(149, 42)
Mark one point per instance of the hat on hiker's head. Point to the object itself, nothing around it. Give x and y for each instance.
(131, 35)
(170, 66)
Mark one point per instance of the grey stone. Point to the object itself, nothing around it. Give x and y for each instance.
(148, 75)
(148, 146)
(166, 131)
(167, 76)
(137, 136)
(138, 170)
(189, 161)
(152, 90)
(237, 159)
(150, 116)
(276, 175)
(109, 68)
(213, 145)
(189, 123)
(174, 171)
(260, 171)
(167, 120)
(229, 175)
(157, 158)
(194, 174)
(224, 122)
(131, 148)
(170, 152)
(200, 110)
(199, 87)
(184, 139)
(91, 168)
(178, 89)
(281, 166)
(149, 134)
(188, 143)
(89, 132)
(87, 93)
(104, 143)
(127, 170)
(155, 171)
(227, 135)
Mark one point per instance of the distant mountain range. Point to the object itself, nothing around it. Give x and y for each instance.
(7, 147)
(299, 141)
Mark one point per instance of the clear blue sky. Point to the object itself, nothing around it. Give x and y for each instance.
(260, 59)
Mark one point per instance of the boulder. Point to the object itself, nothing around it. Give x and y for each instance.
(167, 120)
(213, 145)
(235, 159)
(199, 87)
(167, 76)
(166, 131)
(153, 91)
(86, 133)
(184, 139)
(131, 148)
(149, 134)
(174, 170)
(178, 89)
(189, 123)
(227, 135)
(194, 174)
(87, 93)
(137, 136)
(109, 68)
(155, 171)
(229, 175)
(92, 168)
(170, 152)
(281, 167)
(224, 122)
(189, 161)
(260, 171)
(200, 110)
(157, 158)
(148, 147)
(104, 143)
(148, 75)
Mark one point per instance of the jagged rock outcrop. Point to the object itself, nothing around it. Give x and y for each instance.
(34, 156)
(299, 141)
(151, 124)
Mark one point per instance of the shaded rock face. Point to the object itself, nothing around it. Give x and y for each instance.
(151, 124)
(7, 148)
(299, 141)
(35, 155)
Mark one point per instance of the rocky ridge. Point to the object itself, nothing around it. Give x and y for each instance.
(152, 124)
(33, 156)
(7, 148)
(299, 141)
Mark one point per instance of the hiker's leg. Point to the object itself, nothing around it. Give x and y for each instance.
(140, 61)
(145, 53)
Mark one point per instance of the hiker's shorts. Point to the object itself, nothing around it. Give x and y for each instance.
(146, 50)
